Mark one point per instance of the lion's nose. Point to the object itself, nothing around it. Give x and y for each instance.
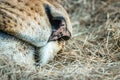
(58, 25)
(60, 32)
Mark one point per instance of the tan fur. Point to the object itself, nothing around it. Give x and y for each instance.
(27, 23)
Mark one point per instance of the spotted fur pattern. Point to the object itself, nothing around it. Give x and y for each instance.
(25, 30)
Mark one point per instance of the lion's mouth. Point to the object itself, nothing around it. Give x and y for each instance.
(59, 26)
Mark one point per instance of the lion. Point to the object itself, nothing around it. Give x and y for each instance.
(33, 31)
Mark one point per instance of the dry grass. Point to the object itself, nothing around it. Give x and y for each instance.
(92, 54)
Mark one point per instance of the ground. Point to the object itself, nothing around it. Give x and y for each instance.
(93, 53)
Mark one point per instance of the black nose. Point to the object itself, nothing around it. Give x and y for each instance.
(59, 27)
(61, 32)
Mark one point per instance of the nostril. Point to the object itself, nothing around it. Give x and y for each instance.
(64, 38)
(60, 36)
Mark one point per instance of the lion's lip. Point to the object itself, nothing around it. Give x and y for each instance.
(61, 33)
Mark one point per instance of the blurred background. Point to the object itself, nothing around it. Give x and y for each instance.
(96, 26)
(96, 38)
